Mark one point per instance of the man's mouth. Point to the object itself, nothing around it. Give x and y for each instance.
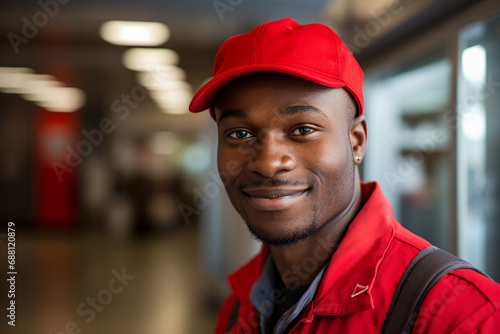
(274, 198)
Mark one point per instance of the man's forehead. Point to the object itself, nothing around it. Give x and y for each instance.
(291, 95)
(290, 110)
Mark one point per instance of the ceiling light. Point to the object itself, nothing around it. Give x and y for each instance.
(172, 103)
(14, 78)
(36, 90)
(141, 59)
(474, 64)
(474, 123)
(164, 77)
(28, 83)
(62, 99)
(16, 70)
(134, 33)
(174, 110)
(171, 95)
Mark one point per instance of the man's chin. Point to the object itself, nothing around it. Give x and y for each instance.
(284, 239)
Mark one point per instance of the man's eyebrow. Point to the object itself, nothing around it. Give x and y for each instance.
(232, 113)
(303, 108)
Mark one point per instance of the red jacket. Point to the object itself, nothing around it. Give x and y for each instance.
(357, 287)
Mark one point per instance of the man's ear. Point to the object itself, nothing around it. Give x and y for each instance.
(358, 133)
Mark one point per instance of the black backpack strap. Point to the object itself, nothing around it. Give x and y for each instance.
(233, 316)
(425, 270)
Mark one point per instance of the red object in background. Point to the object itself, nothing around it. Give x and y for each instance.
(55, 194)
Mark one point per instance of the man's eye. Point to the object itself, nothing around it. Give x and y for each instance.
(240, 134)
(303, 130)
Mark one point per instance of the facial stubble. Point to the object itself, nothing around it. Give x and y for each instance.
(311, 228)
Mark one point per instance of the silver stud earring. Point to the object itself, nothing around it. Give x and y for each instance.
(357, 158)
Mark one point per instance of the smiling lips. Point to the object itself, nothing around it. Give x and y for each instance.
(274, 198)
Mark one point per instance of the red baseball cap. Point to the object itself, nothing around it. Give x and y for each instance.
(313, 52)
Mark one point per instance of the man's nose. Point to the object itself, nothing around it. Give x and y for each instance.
(273, 156)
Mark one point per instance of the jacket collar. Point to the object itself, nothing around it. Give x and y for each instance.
(241, 281)
(351, 275)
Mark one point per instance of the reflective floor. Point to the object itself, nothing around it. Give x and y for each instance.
(149, 286)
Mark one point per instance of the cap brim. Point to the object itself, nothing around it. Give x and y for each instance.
(205, 96)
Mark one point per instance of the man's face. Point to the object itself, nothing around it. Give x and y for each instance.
(285, 154)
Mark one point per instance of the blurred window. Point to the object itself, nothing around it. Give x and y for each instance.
(478, 138)
(409, 142)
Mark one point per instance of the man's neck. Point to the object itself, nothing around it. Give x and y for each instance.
(298, 264)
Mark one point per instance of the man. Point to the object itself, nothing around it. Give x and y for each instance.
(288, 103)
